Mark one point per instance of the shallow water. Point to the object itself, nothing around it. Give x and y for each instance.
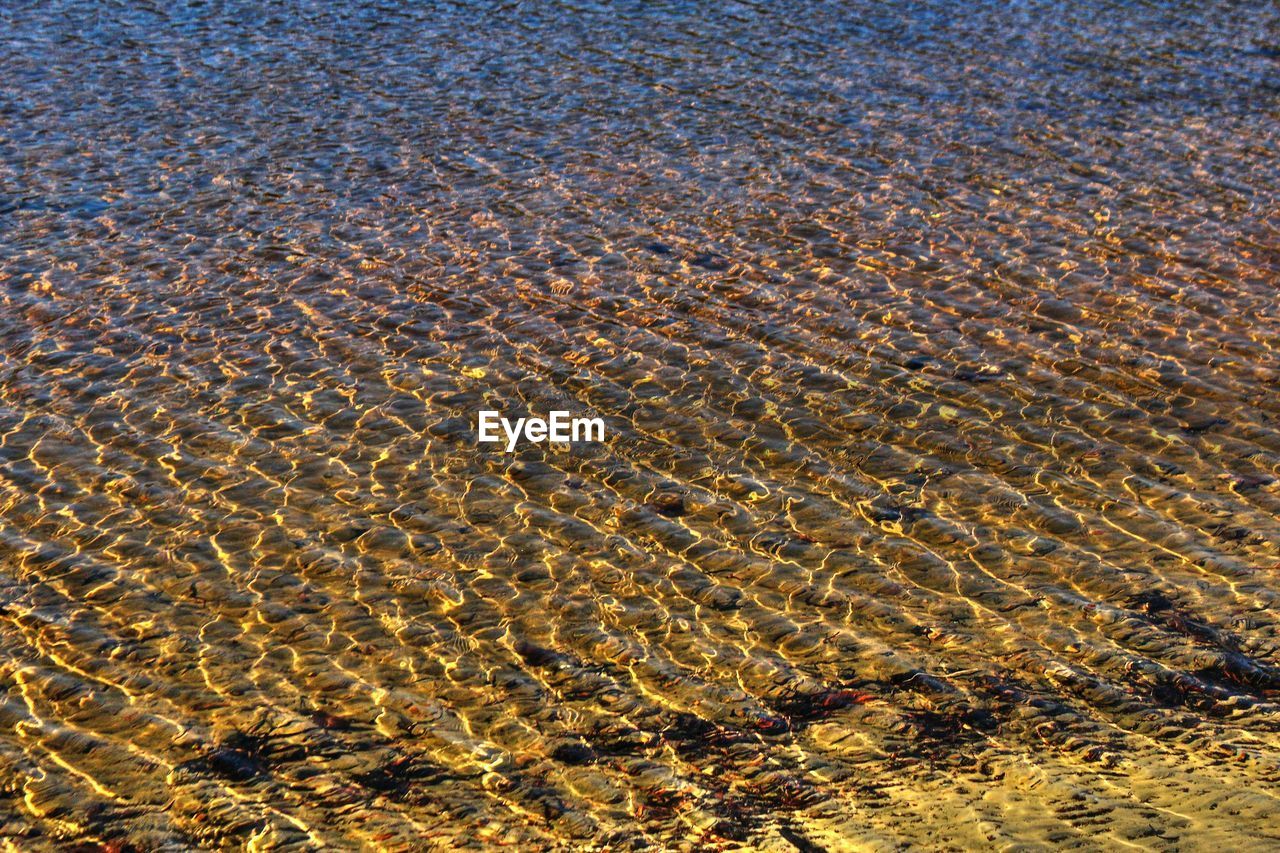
(937, 346)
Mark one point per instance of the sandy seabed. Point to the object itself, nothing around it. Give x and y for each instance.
(937, 348)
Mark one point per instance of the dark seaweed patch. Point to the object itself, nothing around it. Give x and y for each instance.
(690, 733)
(1163, 612)
(801, 708)
(574, 753)
(538, 656)
(399, 778)
(668, 504)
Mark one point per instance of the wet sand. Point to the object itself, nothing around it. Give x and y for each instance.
(937, 348)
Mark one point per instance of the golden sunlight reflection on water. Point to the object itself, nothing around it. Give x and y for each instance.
(937, 505)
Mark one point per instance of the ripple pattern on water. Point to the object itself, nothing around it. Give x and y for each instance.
(937, 347)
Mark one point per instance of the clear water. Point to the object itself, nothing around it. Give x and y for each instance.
(937, 344)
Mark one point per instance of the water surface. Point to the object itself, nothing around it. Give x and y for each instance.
(937, 345)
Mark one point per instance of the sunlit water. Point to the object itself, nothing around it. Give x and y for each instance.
(938, 347)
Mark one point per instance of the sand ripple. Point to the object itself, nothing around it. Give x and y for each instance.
(937, 349)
